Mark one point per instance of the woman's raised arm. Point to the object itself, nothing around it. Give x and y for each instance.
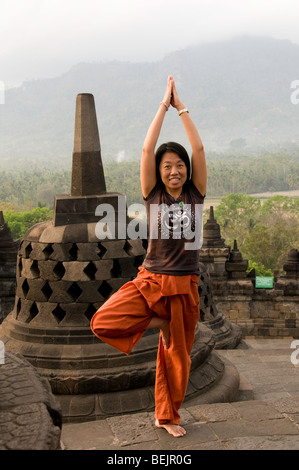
(148, 163)
(198, 160)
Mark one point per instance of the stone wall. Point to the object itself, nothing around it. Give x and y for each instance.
(259, 312)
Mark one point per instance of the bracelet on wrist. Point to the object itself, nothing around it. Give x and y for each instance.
(185, 110)
(163, 102)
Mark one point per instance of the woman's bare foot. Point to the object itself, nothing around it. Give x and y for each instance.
(173, 429)
(163, 325)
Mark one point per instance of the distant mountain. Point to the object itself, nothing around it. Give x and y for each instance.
(238, 93)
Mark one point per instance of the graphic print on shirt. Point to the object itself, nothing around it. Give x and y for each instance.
(176, 221)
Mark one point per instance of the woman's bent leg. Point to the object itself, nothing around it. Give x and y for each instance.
(123, 319)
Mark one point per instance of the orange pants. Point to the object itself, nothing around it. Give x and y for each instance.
(123, 319)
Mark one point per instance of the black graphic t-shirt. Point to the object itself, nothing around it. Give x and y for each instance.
(175, 231)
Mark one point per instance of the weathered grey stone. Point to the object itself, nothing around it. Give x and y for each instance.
(61, 252)
(140, 429)
(30, 416)
(114, 249)
(88, 252)
(75, 271)
(90, 292)
(88, 175)
(103, 269)
(64, 291)
(50, 270)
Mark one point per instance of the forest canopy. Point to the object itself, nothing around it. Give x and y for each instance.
(28, 188)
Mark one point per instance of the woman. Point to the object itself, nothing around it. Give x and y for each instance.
(164, 295)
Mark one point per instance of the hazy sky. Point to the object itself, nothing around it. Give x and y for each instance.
(44, 38)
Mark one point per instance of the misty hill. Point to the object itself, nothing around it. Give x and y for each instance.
(237, 91)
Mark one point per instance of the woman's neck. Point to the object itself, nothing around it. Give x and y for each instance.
(174, 193)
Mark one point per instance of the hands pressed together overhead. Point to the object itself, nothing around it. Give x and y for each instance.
(171, 96)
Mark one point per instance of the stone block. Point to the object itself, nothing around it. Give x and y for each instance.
(25, 249)
(237, 275)
(39, 251)
(133, 429)
(50, 270)
(44, 317)
(103, 269)
(88, 252)
(74, 316)
(233, 314)
(35, 232)
(135, 247)
(50, 235)
(64, 291)
(38, 290)
(74, 271)
(114, 249)
(73, 210)
(90, 292)
(61, 252)
(22, 314)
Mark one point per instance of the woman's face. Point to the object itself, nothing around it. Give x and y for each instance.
(173, 172)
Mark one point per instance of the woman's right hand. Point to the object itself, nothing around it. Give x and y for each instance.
(168, 92)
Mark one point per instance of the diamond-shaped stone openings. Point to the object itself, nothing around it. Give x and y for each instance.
(35, 269)
(102, 250)
(74, 252)
(19, 267)
(28, 250)
(47, 291)
(48, 250)
(59, 313)
(105, 289)
(74, 291)
(33, 312)
(18, 308)
(90, 270)
(25, 288)
(122, 268)
(59, 270)
(90, 311)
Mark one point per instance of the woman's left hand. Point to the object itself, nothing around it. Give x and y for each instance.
(175, 100)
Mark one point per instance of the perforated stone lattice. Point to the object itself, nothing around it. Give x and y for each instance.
(207, 307)
(65, 283)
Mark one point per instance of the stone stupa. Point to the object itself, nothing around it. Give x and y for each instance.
(8, 255)
(65, 273)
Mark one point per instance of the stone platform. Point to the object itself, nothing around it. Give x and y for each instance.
(265, 417)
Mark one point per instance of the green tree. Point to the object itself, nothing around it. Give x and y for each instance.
(265, 232)
(20, 222)
(237, 214)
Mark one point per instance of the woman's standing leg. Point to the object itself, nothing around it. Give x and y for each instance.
(173, 364)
